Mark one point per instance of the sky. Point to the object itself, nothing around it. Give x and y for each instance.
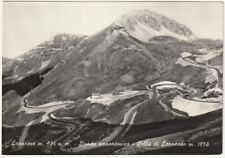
(27, 24)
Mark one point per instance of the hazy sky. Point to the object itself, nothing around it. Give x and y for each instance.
(27, 24)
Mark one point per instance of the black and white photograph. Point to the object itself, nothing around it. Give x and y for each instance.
(112, 77)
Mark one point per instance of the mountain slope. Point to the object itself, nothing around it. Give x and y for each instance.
(116, 85)
(106, 60)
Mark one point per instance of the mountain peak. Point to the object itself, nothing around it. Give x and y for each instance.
(145, 24)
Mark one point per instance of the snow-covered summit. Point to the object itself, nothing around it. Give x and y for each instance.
(145, 24)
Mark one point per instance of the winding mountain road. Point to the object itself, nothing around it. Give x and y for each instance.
(205, 66)
(129, 116)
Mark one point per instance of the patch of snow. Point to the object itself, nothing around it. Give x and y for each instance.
(13, 77)
(211, 99)
(182, 83)
(19, 59)
(185, 54)
(64, 38)
(44, 64)
(163, 82)
(219, 90)
(212, 76)
(203, 50)
(31, 71)
(216, 90)
(20, 78)
(164, 31)
(109, 98)
(199, 60)
(54, 49)
(39, 47)
(183, 62)
(161, 87)
(44, 108)
(208, 56)
(144, 32)
(87, 63)
(87, 112)
(194, 108)
(68, 118)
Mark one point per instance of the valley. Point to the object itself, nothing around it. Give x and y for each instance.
(143, 79)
